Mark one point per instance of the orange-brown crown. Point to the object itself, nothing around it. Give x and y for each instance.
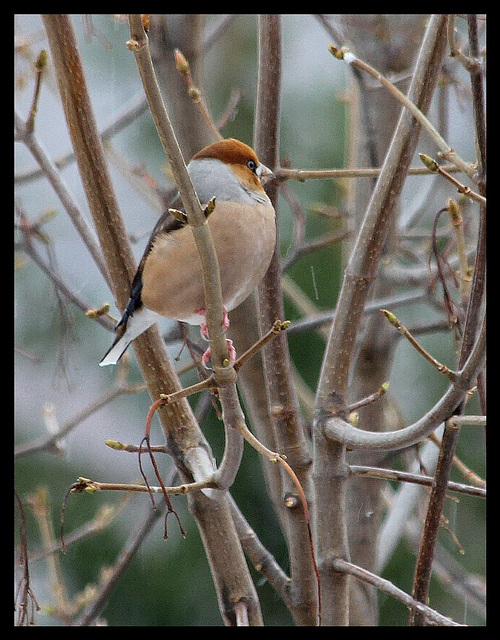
(230, 151)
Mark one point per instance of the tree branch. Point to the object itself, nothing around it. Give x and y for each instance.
(475, 308)
(340, 431)
(181, 430)
(446, 151)
(283, 407)
(329, 464)
(138, 43)
(52, 174)
(387, 587)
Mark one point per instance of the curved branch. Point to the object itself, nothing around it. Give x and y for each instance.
(329, 468)
(362, 267)
(354, 438)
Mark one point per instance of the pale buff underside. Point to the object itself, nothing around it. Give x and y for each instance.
(244, 242)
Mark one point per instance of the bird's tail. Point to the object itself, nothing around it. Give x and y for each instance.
(127, 330)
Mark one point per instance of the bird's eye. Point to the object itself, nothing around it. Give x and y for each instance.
(252, 165)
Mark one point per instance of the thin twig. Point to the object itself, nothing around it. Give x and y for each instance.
(442, 368)
(195, 94)
(301, 175)
(134, 448)
(388, 587)
(211, 382)
(415, 478)
(446, 151)
(457, 223)
(277, 327)
(369, 399)
(433, 166)
(92, 486)
(40, 64)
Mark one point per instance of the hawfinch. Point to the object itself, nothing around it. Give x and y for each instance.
(169, 279)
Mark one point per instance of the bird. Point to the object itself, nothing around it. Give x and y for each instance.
(169, 280)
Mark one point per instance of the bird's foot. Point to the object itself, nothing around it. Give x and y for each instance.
(203, 326)
(207, 356)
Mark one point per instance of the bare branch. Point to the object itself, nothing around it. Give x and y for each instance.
(387, 587)
(27, 136)
(446, 151)
(196, 218)
(415, 478)
(433, 166)
(329, 464)
(283, 407)
(442, 368)
(355, 438)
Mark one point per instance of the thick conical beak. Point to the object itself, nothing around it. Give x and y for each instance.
(264, 173)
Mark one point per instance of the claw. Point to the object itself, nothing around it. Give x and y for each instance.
(232, 352)
(206, 357)
(203, 326)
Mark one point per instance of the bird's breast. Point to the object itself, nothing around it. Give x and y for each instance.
(244, 236)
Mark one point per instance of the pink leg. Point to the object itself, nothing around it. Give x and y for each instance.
(205, 358)
(203, 326)
(204, 334)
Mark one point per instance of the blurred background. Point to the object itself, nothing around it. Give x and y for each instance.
(56, 373)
